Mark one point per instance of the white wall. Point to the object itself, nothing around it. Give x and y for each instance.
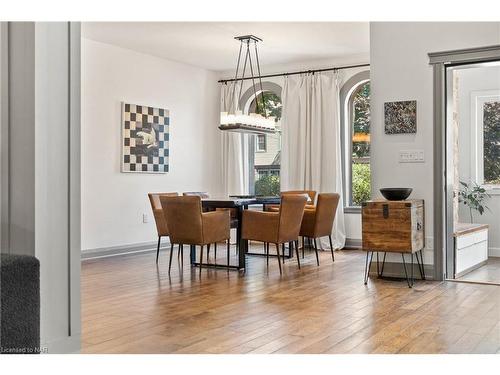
(469, 80)
(112, 202)
(400, 70)
(352, 220)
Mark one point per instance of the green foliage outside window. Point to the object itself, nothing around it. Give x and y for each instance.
(360, 174)
(361, 120)
(268, 186)
(491, 135)
(272, 105)
(361, 188)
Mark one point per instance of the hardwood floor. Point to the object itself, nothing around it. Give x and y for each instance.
(129, 305)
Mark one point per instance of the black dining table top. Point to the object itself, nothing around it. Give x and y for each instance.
(238, 201)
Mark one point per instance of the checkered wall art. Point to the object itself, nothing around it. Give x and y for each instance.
(145, 133)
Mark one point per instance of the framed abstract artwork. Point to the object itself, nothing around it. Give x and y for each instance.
(400, 117)
(145, 139)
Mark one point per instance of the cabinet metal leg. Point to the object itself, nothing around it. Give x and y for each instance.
(408, 281)
(421, 265)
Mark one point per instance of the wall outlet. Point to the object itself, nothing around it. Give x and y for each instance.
(411, 156)
(145, 218)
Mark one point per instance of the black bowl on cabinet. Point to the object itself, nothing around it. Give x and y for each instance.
(396, 194)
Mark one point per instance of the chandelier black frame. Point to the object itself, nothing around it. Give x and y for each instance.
(246, 41)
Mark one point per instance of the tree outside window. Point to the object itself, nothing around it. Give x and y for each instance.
(360, 145)
(491, 143)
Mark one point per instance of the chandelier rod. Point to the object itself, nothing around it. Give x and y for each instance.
(235, 76)
(311, 71)
(253, 80)
(243, 76)
(260, 80)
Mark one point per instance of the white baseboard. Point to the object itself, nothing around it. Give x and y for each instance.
(124, 249)
(494, 251)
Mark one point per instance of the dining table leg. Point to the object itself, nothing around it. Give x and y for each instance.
(242, 244)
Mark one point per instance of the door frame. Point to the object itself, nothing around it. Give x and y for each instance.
(444, 255)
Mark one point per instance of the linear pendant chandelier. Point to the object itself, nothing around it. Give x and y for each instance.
(236, 121)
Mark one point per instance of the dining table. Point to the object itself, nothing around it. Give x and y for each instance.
(239, 203)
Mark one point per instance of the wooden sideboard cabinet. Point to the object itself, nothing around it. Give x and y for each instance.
(395, 227)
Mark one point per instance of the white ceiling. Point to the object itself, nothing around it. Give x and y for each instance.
(211, 45)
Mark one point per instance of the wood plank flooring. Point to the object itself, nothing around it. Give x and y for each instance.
(129, 305)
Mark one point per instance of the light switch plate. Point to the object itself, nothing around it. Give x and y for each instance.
(411, 156)
(145, 218)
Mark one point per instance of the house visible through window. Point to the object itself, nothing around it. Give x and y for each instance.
(267, 150)
(356, 123)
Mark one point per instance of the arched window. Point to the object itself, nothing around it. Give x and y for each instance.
(265, 149)
(355, 101)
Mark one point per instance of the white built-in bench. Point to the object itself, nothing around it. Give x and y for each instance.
(471, 247)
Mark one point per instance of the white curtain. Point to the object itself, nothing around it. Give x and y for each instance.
(235, 173)
(311, 151)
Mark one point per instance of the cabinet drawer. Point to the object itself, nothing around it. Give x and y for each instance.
(470, 239)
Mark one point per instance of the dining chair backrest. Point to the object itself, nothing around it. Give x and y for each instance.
(326, 210)
(161, 222)
(291, 212)
(184, 218)
(201, 194)
(310, 193)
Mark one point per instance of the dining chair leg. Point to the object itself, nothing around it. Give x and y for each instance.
(267, 254)
(171, 254)
(208, 254)
(201, 258)
(331, 248)
(303, 247)
(215, 251)
(316, 251)
(179, 252)
(228, 252)
(297, 251)
(279, 260)
(181, 246)
(158, 249)
(283, 250)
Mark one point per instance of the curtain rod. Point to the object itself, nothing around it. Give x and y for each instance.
(293, 73)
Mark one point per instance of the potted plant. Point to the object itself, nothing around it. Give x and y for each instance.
(473, 195)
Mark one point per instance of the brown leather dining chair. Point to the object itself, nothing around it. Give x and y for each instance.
(233, 212)
(161, 222)
(188, 225)
(310, 203)
(318, 222)
(276, 227)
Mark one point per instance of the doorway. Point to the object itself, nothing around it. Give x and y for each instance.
(467, 164)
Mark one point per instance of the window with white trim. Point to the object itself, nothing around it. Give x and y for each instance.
(355, 99)
(485, 133)
(261, 143)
